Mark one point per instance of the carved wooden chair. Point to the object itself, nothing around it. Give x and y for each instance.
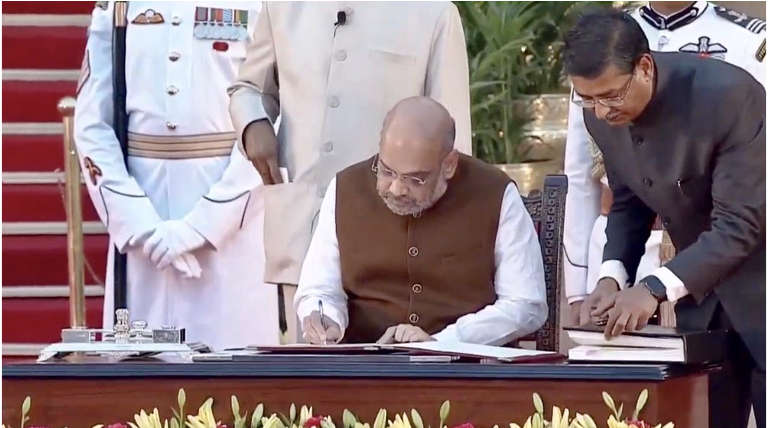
(547, 210)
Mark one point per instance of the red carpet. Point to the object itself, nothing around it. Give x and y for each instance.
(40, 202)
(32, 153)
(49, 7)
(34, 101)
(42, 259)
(54, 47)
(41, 320)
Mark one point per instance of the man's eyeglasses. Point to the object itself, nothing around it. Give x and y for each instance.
(616, 101)
(382, 170)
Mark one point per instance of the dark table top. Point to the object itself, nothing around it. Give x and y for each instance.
(99, 367)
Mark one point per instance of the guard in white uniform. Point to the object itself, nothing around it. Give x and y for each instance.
(188, 211)
(701, 28)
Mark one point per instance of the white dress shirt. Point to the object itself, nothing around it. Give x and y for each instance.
(520, 307)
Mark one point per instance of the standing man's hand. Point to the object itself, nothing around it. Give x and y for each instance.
(261, 149)
(633, 308)
(573, 313)
(600, 301)
(320, 333)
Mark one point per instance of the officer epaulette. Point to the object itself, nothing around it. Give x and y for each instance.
(755, 25)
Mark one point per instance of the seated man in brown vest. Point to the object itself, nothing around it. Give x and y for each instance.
(421, 243)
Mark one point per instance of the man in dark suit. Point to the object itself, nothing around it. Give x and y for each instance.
(683, 137)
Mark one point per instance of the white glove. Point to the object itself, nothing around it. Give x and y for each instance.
(187, 264)
(171, 239)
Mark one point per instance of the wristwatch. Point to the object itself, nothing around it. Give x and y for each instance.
(656, 288)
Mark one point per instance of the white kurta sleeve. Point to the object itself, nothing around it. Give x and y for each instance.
(582, 205)
(121, 203)
(447, 79)
(321, 277)
(521, 306)
(254, 96)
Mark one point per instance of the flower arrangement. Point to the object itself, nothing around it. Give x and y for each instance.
(305, 419)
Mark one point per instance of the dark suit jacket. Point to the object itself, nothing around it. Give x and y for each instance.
(696, 157)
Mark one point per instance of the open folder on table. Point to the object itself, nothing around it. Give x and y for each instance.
(455, 349)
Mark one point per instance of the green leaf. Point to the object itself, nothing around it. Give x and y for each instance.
(590, 421)
(284, 420)
(26, 405)
(620, 412)
(608, 401)
(640, 402)
(379, 421)
(292, 413)
(416, 419)
(235, 406)
(538, 402)
(256, 417)
(348, 419)
(444, 412)
(181, 397)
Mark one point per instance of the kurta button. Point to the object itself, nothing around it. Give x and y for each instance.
(413, 318)
(638, 141)
(328, 147)
(647, 181)
(170, 125)
(334, 102)
(173, 56)
(341, 55)
(666, 221)
(175, 20)
(413, 251)
(172, 90)
(417, 288)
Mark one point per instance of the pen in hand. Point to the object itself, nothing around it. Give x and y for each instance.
(323, 323)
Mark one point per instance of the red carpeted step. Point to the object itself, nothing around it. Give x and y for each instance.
(48, 7)
(39, 153)
(34, 101)
(43, 47)
(40, 320)
(40, 202)
(42, 259)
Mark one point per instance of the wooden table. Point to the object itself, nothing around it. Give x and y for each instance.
(91, 392)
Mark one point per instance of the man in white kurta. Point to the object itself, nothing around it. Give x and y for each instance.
(697, 27)
(444, 250)
(331, 70)
(188, 210)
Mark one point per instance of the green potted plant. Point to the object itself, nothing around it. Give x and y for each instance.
(519, 95)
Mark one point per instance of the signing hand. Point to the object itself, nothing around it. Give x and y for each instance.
(320, 333)
(404, 333)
